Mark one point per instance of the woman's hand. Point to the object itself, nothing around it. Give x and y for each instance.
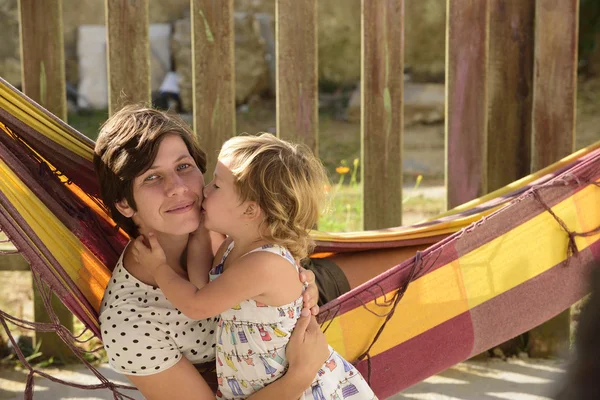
(311, 293)
(307, 349)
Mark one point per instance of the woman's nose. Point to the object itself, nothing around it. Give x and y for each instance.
(176, 185)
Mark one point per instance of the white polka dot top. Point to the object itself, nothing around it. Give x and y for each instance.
(143, 333)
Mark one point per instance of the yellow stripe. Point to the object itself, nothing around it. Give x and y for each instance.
(488, 271)
(23, 110)
(69, 252)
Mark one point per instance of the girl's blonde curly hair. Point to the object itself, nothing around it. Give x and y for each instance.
(286, 180)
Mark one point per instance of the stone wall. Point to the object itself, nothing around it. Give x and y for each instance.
(338, 30)
(75, 13)
(10, 58)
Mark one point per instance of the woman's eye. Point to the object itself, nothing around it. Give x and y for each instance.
(183, 166)
(150, 178)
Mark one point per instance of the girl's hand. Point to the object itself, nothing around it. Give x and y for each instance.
(307, 349)
(311, 293)
(149, 257)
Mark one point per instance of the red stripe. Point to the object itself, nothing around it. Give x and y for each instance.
(533, 302)
(420, 357)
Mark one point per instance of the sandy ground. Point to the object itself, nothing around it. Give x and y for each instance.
(472, 380)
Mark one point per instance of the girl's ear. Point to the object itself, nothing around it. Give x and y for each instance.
(252, 210)
(124, 208)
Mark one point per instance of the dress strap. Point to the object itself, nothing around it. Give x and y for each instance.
(227, 251)
(218, 270)
(279, 250)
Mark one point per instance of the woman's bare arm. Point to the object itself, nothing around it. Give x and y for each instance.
(182, 381)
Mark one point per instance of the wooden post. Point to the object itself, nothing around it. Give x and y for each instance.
(128, 53)
(296, 71)
(555, 81)
(466, 100)
(213, 75)
(510, 91)
(554, 100)
(382, 84)
(42, 52)
(43, 75)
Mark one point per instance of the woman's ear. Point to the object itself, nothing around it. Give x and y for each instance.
(124, 208)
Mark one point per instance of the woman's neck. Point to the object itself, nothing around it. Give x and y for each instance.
(175, 250)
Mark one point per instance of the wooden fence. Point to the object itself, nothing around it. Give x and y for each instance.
(510, 84)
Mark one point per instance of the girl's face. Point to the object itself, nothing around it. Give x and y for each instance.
(168, 195)
(222, 208)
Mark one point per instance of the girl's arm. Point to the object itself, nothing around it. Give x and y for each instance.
(183, 294)
(251, 276)
(261, 276)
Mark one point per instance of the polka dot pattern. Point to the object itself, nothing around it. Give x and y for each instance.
(143, 333)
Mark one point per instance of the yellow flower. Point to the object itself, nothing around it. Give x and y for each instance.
(342, 170)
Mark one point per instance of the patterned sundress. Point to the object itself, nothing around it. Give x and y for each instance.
(251, 339)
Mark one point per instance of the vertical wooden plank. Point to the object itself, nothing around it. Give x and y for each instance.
(213, 75)
(128, 53)
(554, 101)
(42, 52)
(382, 84)
(510, 91)
(296, 71)
(43, 74)
(555, 80)
(466, 100)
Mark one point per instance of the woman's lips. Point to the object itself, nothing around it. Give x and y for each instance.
(181, 208)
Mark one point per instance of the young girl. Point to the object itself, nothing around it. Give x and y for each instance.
(265, 197)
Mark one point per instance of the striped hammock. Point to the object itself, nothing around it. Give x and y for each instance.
(497, 266)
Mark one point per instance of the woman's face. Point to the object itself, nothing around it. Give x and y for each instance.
(168, 195)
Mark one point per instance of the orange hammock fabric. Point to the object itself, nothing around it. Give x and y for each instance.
(498, 266)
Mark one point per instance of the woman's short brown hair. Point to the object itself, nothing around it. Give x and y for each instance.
(127, 146)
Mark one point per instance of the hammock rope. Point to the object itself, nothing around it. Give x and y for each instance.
(67, 337)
